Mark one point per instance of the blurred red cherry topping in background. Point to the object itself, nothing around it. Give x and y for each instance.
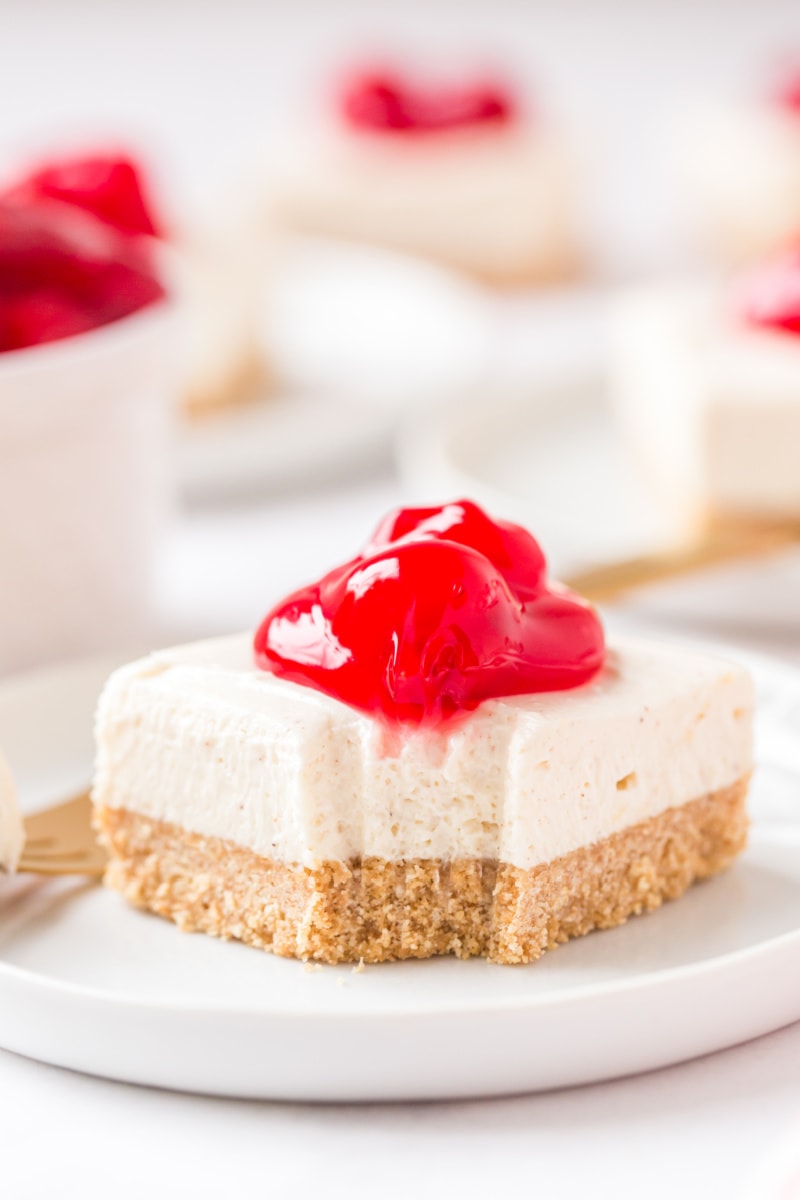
(770, 295)
(109, 186)
(787, 93)
(76, 251)
(386, 102)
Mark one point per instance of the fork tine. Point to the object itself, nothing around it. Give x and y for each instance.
(60, 840)
(90, 868)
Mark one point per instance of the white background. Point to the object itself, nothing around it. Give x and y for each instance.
(200, 85)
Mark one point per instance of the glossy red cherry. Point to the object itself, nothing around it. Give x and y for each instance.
(386, 102)
(62, 272)
(771, 294)
(510, 548)
(445, 608)
(109, 186)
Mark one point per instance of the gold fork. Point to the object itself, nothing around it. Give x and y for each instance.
(721, 542)
(60, 840)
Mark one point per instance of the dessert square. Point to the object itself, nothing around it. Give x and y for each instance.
(250, 806)
(707, 389)
(464, 175)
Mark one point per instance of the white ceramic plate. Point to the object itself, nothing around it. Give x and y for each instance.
(87, 983)
(552, 459)
(362, 337)
(336, 328)
(547, 456)
(278, 442)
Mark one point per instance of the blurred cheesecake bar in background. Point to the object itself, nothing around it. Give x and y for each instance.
(707, 390)
(12, 832)
(739, 168)
(460, 174)
(220, 277)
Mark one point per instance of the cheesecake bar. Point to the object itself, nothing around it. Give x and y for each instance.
(706, 381)
(249, 806)
(464, 177)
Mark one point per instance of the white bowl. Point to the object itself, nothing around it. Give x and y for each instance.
(84, 485)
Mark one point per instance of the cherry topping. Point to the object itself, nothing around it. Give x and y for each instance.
(388, 103)
(108, 186)
(443, 609)
(788, 92)
(62, 271)
(771, 294)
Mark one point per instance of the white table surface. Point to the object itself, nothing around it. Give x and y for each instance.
(702, 1129)
(691, 1131)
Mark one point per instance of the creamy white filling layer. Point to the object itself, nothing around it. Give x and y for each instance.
(12, 832)
(199, 737)
(495, 203)
(739, 165)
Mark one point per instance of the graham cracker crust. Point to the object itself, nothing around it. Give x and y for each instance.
(376, 910)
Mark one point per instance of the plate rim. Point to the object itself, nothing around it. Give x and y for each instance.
(730, 961)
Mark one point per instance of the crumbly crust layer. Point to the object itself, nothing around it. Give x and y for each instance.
(378, 910)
